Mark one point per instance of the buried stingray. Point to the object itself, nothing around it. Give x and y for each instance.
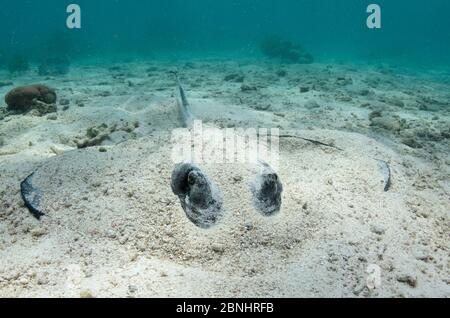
(201, 199)
(266, 188)
(198, 194)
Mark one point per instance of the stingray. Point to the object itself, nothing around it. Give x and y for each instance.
(199, 197)
(195, 191)
(267, 187)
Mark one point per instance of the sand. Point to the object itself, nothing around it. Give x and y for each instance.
(114, 228)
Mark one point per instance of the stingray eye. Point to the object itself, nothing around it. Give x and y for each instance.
(200, 199)
(267, 190)
(271, 178)
(192, 178)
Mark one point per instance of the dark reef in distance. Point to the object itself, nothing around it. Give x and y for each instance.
(286, 51)
(18, 64)
(54, 66)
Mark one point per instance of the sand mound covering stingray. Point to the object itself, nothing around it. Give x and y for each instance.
(125, 192)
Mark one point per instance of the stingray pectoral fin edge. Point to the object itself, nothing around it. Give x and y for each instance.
(31, 197)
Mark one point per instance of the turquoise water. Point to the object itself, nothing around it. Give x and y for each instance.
(413, 32)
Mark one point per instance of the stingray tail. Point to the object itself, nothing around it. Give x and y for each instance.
(184, 109)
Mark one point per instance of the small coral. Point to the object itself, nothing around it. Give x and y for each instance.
(26, 98)
(96, 135)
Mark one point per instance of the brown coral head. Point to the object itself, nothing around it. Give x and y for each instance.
(23, 98)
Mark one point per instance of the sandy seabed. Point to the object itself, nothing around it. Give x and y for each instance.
(113, 227)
